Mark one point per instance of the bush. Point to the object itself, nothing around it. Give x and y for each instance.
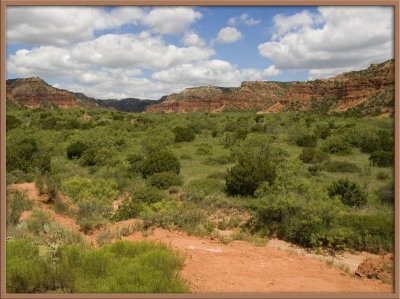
(136, 162)
(349, 192)
(81, 189)
(302, 219)
(157, 140)
(386, 194)
(75, 150)
(336, 145)
(245, 177)
(307, 140)
(127, 210)
(186, 157)
(382, 158)
(183, 134)
(341, 166)
(16, 203)
(91, 214)
(12, 122)
(370, 232)
(161, 161)
(382, 176)
(312, 156)
(147, 195)
(21, 154)
(164, 180)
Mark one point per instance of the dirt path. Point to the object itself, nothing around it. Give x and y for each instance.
(211, 266)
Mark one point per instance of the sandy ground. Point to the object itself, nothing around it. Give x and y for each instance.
(211, 266)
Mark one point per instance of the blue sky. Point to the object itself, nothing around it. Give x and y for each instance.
(147, 52)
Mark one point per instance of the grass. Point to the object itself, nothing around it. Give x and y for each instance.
(123, 267)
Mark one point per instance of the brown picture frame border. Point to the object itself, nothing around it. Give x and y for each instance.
(3, 6)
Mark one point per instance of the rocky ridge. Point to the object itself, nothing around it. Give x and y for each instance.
(370, 88)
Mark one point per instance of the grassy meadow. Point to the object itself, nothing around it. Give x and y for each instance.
(319, 181)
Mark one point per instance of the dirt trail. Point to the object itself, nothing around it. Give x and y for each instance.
(211, 266)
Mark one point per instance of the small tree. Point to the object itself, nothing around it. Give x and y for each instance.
(183, 134)
(160, 162)
(350, 193)
(245, 177)
(75, 150)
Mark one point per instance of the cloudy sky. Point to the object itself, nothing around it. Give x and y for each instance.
(147, 52)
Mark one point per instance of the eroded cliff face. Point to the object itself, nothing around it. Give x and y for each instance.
(34, 92)
(341, 93)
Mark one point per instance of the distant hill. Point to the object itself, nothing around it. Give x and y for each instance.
(34, 93)
(365, 92)
(127, 105)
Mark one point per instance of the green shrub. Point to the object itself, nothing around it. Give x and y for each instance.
(12, 122)
(91, 214)
(305, 221)
(336, 145)
(147, 195)
(386, 194)
(80, 189)
(382, 158)
(164, 180)
(157, 140)
(75, 150)
(312, 156)
(349, 192)
(313, 169)
(370, 232)
(37, 222)
(382, 176)
(127, 210)
(136, 162)
(341, 166)
(16, 203)
(20, 155)
(307, 140)
(245, 177)
(183, 134)
(162, 161)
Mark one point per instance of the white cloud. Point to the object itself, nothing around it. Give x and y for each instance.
(283, 24)
(228, 35)
(245, 19)
(126, 51)
(63, 25)
(66, 25)
(271, 71)
(192, 39)
(171, 20)
(335, 40)
(213, 72)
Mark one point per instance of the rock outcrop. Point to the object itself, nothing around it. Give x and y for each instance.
(339, 94)
(34, 93)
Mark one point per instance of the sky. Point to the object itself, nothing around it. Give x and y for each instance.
(148, 52)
